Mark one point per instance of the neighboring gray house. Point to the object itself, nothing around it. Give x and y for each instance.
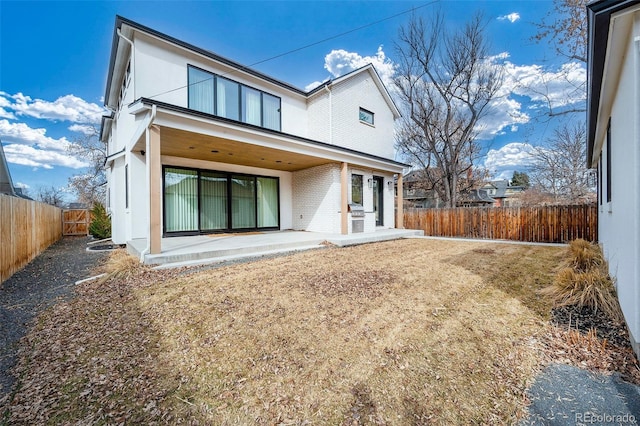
(613, 144)
(6, 184)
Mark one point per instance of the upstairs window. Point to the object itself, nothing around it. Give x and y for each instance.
(233, 100)
(200, 90)
(366, 116)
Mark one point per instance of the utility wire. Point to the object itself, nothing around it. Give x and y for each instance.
(309, 45)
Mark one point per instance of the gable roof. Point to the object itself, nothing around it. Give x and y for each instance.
(120, 51)
(376, 79)
(599, 19)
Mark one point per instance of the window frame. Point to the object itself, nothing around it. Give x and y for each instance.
(366, 112)
(229, 194)
(241, 109)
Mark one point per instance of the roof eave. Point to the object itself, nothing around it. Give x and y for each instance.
(598, 18)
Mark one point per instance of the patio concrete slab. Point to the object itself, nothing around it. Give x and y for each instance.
(201, 249)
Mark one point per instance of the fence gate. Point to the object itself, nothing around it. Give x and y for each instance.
(75, 222)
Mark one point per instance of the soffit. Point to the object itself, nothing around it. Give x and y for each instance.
(181, 143)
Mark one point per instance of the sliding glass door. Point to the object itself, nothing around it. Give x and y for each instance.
(203, 201)
(213, 201)
(243, 202)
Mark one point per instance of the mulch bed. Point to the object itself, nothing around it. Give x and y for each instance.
(585, 318)
(589, 339)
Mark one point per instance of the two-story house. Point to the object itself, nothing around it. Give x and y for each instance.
(198, 144)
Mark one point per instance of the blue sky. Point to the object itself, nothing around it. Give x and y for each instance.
(54, 58)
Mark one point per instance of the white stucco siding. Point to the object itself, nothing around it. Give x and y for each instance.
(619, 222)
(170, 85)
(138, 196)
(117, 201)
(348, 97)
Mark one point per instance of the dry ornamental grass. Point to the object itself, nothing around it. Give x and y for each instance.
(395, 333)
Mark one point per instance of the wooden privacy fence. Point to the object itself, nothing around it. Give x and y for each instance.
(549, 224)
(26, 229)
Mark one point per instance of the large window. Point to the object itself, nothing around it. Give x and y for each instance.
(200, 90)
(356, 189)
(201, 201)
(232, 100)
(227, 99)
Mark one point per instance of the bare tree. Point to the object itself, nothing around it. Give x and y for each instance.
(559, 167)
(565, 28)
(51, 195)
(445, 83)
(90, 186)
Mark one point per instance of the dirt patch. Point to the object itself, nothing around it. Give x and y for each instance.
(354, 283)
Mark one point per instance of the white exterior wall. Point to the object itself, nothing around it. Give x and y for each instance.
(339, 111)
(619, 220)
(117, 202)
(316, 199)
(153, 55)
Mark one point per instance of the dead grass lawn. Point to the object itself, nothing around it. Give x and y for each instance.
(403, 332)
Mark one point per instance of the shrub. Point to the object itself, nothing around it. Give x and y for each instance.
(121, 265)
(585, 281)
(100, 226)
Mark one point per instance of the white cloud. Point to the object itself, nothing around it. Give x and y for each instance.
(6, 114)
(85, 129)
(548, 88)
(513, 156)
(21, 185)
(65, 108)
(20, 133)
(340, 62)
(29, 156)
(512, 17)
(309, 87)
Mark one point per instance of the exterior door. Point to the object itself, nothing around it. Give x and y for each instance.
(378, 199)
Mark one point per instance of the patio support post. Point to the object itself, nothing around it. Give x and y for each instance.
(400, 201)
(344, 199)
(155, 189)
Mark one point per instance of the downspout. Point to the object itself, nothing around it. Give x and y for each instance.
(151, 120)
(326, 87)
(133, 59)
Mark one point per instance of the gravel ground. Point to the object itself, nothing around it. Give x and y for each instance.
(50, 277)
(567, 395)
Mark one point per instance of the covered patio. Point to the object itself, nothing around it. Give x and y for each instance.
(204, 249)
